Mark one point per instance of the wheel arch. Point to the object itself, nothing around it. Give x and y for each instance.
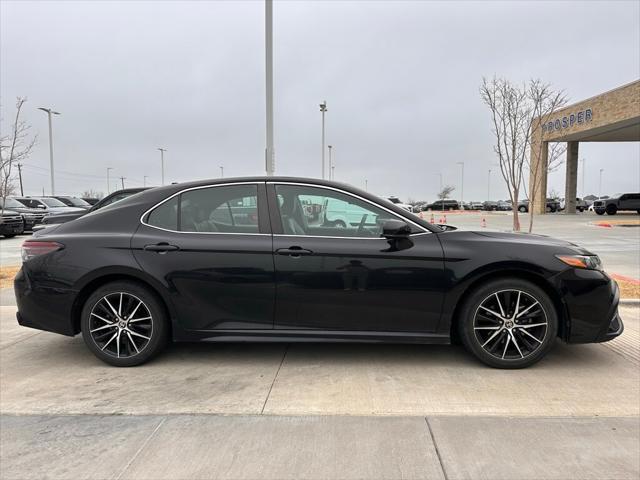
(99, 278)
(523, 272)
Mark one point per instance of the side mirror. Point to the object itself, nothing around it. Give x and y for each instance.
(395, 229)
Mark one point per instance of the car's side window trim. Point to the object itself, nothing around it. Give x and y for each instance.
(148, 211)
(280, 228)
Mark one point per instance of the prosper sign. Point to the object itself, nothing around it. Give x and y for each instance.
(567, 121)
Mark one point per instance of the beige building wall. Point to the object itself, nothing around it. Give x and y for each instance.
(613, 116)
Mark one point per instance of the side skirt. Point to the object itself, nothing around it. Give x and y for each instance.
(330, 336)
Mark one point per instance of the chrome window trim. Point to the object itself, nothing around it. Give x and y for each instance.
(200, 188)
(343, 238)
(424, 230)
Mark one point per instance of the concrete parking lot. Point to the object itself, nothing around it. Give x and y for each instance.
(317, 411)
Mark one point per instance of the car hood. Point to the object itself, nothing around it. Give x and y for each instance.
(56, 210)
(9, 213)
(532, 238)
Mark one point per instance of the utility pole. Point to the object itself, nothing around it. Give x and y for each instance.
(122, 180)
(323, 110)
(221, 171)
(144, 180)
(270, 154)
(330, 163)
(49, 113)
(162, 150)
(366, 185)
(20, 175)
(489, 187)
(462, 186)
(600, 184)
(108, 182)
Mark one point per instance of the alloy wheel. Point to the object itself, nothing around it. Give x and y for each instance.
(510, 324)
(121, 324)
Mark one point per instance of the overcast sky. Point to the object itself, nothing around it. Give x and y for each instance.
(400, 79)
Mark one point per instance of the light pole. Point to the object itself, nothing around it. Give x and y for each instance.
(462, 185)
(270, 160)
(600, 184)
(330, 163)
(323, 110)
(144, 180)
(122, 180)
(108, 182)
(440, 175)
(49, 113)
(162, 150)
(221, 171)
(366, 185)
(489, 187)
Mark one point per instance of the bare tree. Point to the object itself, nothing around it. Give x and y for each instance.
(14, 147)
(514, 108)
(445, 192)
(545, 101)
(91, 193)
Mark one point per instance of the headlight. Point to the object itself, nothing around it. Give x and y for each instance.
(588, 262)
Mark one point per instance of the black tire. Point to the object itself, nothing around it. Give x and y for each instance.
(638, 211)
(611, 209)
(339, 224)
(599, 212)
(522, 209)
(9, 235)
(157, 333)
(580, 209)
(479, 296)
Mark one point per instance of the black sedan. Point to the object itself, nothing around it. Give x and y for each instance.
(243, 260)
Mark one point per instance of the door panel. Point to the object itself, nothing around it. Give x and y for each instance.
(217, 280)
(348, 278)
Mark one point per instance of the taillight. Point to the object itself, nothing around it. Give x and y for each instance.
(34, 248)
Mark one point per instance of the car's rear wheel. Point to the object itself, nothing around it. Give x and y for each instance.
(612, 209)
(508, 323)
(522, 209)
(124, 324)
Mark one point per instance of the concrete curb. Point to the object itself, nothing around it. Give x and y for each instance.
(630, 302)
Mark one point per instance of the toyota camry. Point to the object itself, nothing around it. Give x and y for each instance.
(272, 259)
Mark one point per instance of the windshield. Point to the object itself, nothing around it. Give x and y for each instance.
(78, 202)
(11, 203)
(52, 202)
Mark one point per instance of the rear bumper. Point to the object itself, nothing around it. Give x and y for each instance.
(46, 307)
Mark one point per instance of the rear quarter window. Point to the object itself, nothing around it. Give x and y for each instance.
(165, 215)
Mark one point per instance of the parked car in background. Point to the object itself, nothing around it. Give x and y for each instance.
(489, 206)
(581, 205)
(48, 205)
(31, 216)
(396, 201)
(619, 202)
(11, 223)
(443, 205)
(476, 205)
(552, 205)
(91, 200)
(73, 201)
(140, 273)
(504, 206)
(108, 200)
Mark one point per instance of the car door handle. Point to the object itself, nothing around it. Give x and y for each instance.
(294, 251)
(161, 248)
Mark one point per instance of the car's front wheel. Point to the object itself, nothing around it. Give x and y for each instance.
(124, 324)
(522, 209)
(508, 323)
(611, 209)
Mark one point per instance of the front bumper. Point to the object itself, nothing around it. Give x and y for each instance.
(591, 300)
(11, 228)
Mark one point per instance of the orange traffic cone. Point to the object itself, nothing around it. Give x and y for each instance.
(445, 219)
(421, 216)
(483, 224)
(432, 219)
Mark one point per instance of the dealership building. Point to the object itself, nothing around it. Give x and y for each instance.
(613, 116)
